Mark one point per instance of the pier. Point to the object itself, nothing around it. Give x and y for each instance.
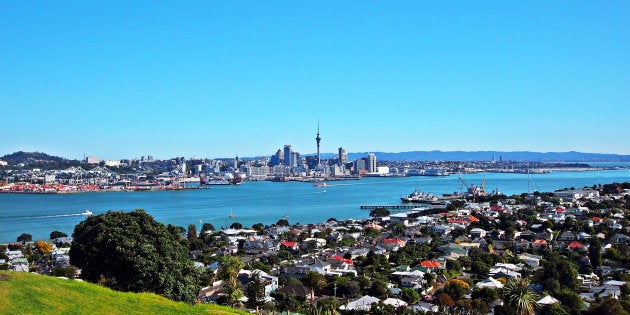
(403, 207)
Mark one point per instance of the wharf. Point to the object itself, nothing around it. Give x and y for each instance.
(404, 207)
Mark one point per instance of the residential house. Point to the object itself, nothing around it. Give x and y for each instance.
(452, 248)
(530, 260)
(539, 244)
(313, 243)
(521, 245)
(506, 271)
(566, 236)
(478, 233)
(393, 244)
(288, 245)
(362, 304)
(575, 245)
(319, 266)
(402, 218)
(396, 303)
(545, 235)
(442, 229)
(269, 282)
(489, 283)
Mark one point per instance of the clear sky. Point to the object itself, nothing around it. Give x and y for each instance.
(123, 79)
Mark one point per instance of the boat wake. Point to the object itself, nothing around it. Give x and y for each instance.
(43, 216)
(61, 215)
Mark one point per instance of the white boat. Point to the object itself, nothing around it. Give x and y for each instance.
(86, 213)
(232, 215)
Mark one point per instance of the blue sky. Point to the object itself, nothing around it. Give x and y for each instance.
(123, 79)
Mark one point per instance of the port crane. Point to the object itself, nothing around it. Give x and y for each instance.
(473, 190)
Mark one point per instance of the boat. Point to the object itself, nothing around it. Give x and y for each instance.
(420, 197)
(320, 185)
(232, 215)
(86, 213)
(204, 180)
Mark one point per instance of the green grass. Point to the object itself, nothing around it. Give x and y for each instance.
(25, 293)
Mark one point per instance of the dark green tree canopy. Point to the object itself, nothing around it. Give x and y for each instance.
(133, 252)
(379, 212)
(25, 237)
(57, 234)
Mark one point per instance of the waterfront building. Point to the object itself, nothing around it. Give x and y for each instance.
(288, 156)
(343, 156)
(370, 164)
(359, 166)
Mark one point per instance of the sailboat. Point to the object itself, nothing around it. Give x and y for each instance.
(232, 215)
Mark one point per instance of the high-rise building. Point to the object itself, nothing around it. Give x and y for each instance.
(277, 158)
(370, 164)
(288, 156)
(343, 156)
(359, 165)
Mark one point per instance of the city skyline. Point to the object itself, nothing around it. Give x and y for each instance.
(225, 79)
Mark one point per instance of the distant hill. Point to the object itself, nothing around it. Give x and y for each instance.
(30, 158)
(571, 156)
(26, 293)
(38, 160)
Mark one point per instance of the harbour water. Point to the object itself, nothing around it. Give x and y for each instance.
(264, 202)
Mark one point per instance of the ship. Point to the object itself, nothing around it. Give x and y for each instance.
(205, 180)
(419, 197)
(320, 185)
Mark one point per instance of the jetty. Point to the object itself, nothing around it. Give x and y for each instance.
(404, 207)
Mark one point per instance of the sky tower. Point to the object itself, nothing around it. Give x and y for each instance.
(318, 139)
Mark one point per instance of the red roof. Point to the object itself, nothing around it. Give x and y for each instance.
(472, 219)
(393, 241)
(497, 208)
(576, 244)
(540, 242)
(339, 258)
(430, 264)
(288, 243)
(596, 219)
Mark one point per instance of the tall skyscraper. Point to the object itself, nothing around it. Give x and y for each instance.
(343, 156)
(318, 139)
(371, 163)
(288, 156)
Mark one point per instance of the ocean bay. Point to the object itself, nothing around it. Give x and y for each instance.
(264, 201)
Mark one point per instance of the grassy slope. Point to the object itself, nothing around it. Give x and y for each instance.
(24, 293)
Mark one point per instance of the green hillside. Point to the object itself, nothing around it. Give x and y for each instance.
(25, 293)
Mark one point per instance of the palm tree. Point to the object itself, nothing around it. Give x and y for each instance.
(519, 294)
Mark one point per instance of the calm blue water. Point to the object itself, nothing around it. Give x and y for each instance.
(264, 202)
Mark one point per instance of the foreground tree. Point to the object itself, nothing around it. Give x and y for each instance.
(25, 237)
(255, 291)
(133, 252)
(229, 268)
(519, 295)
